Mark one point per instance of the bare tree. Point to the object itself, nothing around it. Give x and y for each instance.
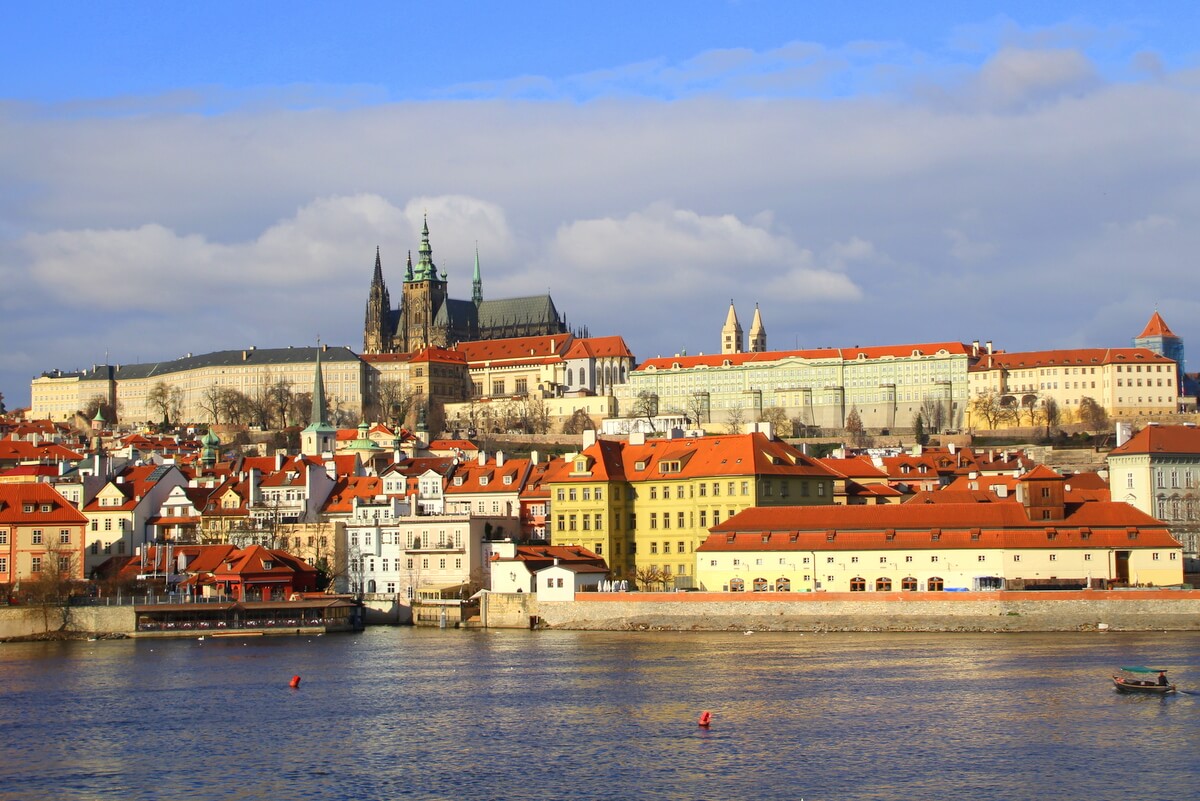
(987, 406)
(933, 414)
(1092, 415)
(300, 408)
(212, 402)
(56, 579)
(279, 400)
(645, 406)
(1051, 414)
(854, 427)
(166, 400)
(578, 422)
(235, 406)
(99, 403)
(781, 426)
(698, 409)
(393, 401)
(735, 418)
(648, 577)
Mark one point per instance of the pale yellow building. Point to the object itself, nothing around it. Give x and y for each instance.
(1125, 382)
(1039, 542)
(1158, 472)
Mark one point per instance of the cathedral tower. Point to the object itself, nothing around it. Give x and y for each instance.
(424, 296)
(1158, 337)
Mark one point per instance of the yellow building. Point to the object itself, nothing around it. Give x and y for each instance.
(645, 505)
(1036, 541)
(1158, 472)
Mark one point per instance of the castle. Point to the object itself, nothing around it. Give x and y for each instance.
(427, 316)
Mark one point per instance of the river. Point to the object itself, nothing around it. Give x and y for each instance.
(425, 713)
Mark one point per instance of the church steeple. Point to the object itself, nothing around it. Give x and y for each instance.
(731, 333)
(758, 334)
(319, 437)
(408, 273)
(477, 281)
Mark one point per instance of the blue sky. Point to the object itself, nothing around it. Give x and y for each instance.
(190, 177)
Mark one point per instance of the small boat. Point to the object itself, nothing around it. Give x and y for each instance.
(1135, 680)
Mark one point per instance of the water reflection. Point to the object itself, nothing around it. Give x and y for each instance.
(436, 714)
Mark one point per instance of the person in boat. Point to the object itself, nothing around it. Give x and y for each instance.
(1162, 678)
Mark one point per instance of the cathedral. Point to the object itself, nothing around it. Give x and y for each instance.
(427, 316)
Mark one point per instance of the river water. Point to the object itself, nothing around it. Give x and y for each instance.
(426, 713)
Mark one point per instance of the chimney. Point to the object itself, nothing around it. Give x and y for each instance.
(278, 460)
(482, 458)
(589, 438)
(975, 348)
(499, 458)
(988, 345)
(533, 457)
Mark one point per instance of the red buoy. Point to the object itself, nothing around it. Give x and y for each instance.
(295, 682)
(705, 718)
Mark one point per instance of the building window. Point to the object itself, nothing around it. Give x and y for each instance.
(654, 520)
(64, 536)
(3, 564)
(935, 584)
(37, 536)
(857, 584)
(1154, 556)
(981, 558)
(35, 564)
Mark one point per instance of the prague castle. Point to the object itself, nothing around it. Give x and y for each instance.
(428, 317)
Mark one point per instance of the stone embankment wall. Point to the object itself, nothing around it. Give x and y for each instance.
(509, 610)
(32, 621)
(976, 611)
(385, 610)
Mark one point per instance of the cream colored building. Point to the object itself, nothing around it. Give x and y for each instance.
(57, 396)
(1158, 472)
(886, 385)
(1039, 542)
(1125, 382)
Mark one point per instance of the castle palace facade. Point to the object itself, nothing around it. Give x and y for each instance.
(428, 317)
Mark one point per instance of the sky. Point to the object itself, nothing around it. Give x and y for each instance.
(184, 178)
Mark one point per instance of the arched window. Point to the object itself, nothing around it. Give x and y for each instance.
(883, 585)
(570, 380)
(783, 584)
(371, 585)
(908, 584)
(737, 585)
(935, 584)
(760, 585)
(608, 375)
(858, 584)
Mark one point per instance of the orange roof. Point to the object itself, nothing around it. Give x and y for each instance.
(365, 488)
(1160, 440)
(521, 349)
(1072, 357)
(718, 455)
(767, 357)
(15, 497)
(912, 525)
(854, 467)
(598, 347)
(1157, 327)
(472, 477)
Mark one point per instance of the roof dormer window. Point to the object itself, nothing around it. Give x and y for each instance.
(508, 480)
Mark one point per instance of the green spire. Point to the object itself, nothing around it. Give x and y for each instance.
(318, 395)
(426, 269)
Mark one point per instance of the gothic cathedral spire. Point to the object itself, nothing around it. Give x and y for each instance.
(476, 281)
(375, 334)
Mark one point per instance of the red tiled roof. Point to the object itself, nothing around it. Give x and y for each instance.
(1156, 440)
(14, 497)
(918, 520)
(1157, 327)
(767, 357)
(598, 347)
(1070, 358)
(538, 349)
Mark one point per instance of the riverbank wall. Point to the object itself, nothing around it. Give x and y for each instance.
(17, 622)
(1086, 610)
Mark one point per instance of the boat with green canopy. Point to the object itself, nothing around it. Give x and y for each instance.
(1138, 679)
